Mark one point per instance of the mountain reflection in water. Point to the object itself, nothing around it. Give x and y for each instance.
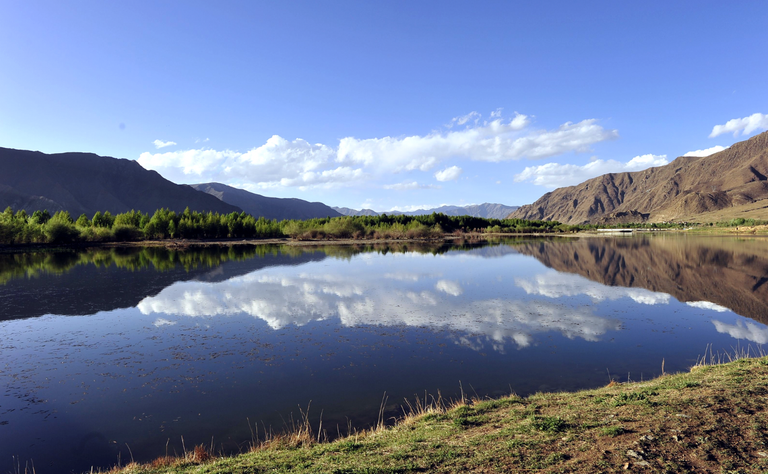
(108, 348)
(708, 272)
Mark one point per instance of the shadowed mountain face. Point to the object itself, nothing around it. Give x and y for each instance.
(677, 191)
(86, 183)
(729, 273)
(485, 210)
(267, 207)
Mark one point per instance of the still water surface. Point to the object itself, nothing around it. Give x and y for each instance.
(103, 350)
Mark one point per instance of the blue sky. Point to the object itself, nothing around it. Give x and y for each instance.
(386, 105)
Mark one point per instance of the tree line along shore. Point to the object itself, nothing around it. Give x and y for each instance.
(60, 228)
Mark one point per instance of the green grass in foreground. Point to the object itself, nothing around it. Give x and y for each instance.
(713, 419)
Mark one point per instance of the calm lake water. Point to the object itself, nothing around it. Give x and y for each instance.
(103, 350)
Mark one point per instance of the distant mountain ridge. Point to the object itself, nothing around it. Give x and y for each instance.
(84, 183)
(267, 207)
(485, 210)
(688, 186)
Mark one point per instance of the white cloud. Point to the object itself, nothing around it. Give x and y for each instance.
(161, 144)
(415, 207)
(558, 285)
(280, 162)
(750, 331)
(356, 297)
(186, 164)
(160, 322)
(706, 151)
(708, 305)
(410, 185)
(555, 175)
(449, 174)
(745, 125)
(277, 163)
(494, 141)
(450, 287)
(298, 163)
(473, 117)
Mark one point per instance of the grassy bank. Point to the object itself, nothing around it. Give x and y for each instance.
(712, 419)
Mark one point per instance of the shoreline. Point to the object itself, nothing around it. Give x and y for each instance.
(181, 244)
(710, 419)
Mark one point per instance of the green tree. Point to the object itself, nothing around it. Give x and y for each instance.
(171, 228)
(83, 221)
(41, 217)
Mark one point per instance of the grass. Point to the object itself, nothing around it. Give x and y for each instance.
(711, 419)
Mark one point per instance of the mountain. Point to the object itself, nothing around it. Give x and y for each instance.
(678, 191)
(345, 211)
(485, 210)
(268, 207)
(86, 183)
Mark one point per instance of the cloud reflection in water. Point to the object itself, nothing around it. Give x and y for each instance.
(749, 331)
(557, 285)
(359, 299)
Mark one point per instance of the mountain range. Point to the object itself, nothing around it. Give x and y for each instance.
(267, 207)
(485, 210)
(83, 183)
(734, 179)
(728, 184)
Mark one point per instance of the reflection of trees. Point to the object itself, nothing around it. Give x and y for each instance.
(21, 265)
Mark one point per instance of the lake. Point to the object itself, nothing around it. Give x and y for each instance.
(108, 354)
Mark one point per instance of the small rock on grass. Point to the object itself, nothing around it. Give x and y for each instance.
(634, 454)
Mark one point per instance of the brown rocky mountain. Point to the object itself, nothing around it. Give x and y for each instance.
(730, 274)
(684, 188)
(86, 183)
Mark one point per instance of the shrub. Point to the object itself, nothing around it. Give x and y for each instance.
(96, 234)
(342, 228)
(59, 232)
(124, 233)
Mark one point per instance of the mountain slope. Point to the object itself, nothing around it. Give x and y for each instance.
(345, 211)
(677, 191)
(86, 183)
(485, 210)
(267, 207)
